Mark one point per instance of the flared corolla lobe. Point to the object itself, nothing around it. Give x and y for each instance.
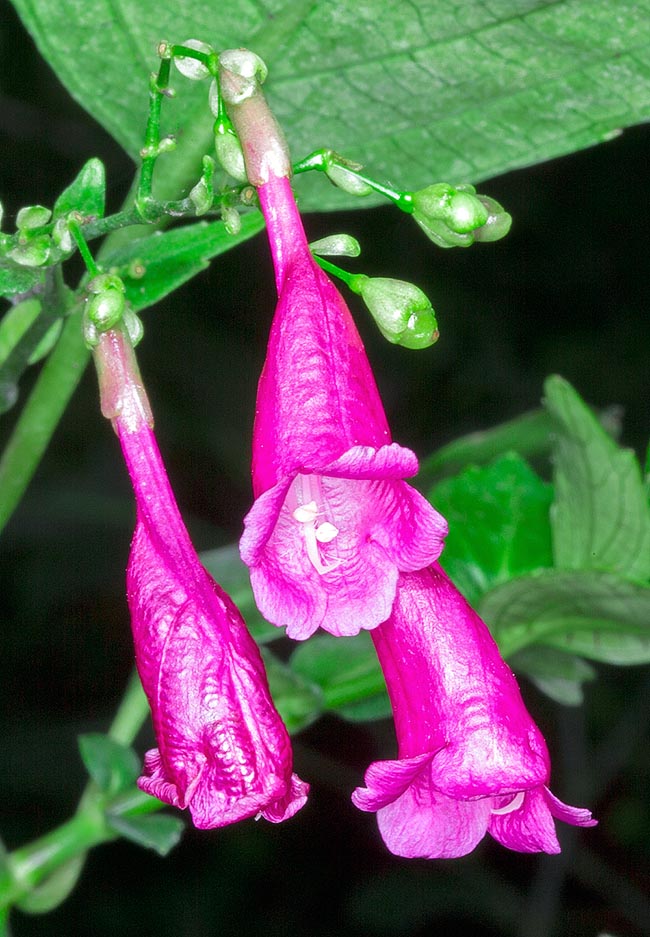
(333, 522)
(470, 758)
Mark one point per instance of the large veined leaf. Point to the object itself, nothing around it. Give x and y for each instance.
(587, 612)
(418, 91)
(600, 516)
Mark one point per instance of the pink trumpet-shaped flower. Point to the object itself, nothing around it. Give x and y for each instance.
(470, 758)
(223, 751)
(333, 522)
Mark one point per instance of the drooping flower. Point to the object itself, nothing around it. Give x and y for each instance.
(333, 522)
(223, 751)
(470, 758)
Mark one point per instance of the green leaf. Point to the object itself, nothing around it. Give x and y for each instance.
(227, 568)
(155, 265)
(159, 832)
(498, 524)
(113, 767)
(346, 670)
(560, 676)
(298, 702)
(594, 614)
(418, 92)
(600, 516)
(86, 193)
(14, 278)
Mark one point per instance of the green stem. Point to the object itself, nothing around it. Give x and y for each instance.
(28, 867)
(25, 868)
(157, 86)
(87, 257)
(350, 279)
(41, 414)
(321, 160)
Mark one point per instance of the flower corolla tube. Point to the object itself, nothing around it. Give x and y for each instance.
(223, 751)
(334, 522)
(470, 758)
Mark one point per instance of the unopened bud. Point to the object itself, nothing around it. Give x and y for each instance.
(61, 235)
(32, 216)
(401, 310)
(336, 245)
(34, 253)
(457, 216)
(103, 282)
(229, 152)
(247, 68)
(347, 180)
(192, 68)
(231, 219)
(105, 309)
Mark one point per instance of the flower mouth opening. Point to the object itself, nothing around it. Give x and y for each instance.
(511, 806)
(307, 493)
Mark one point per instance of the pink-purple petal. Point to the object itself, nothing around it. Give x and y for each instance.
(530, 828)
(423, 823)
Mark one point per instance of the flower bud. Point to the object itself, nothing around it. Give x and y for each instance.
(103, 282)
(455, 216)
(401, 310)
(61, 235)
(34, 253)
(32, 216)
(229, 152)
(191, 68)
(336, 245)
(106, 309)
(247, 71)
(347, 180)
(231, 219)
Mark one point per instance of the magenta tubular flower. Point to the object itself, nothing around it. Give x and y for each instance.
(223, 751)
(470, 758)
(333, 522)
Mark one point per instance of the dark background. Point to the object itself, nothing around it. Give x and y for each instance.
(566, 292)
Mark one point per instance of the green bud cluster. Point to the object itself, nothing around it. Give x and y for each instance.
(455, 216)
(401, 310)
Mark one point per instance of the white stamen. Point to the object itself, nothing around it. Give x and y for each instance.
(326, 532)
(306, 513)
(515, 804)
(308, 487)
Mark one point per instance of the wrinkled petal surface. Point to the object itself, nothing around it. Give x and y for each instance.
(223, 751)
